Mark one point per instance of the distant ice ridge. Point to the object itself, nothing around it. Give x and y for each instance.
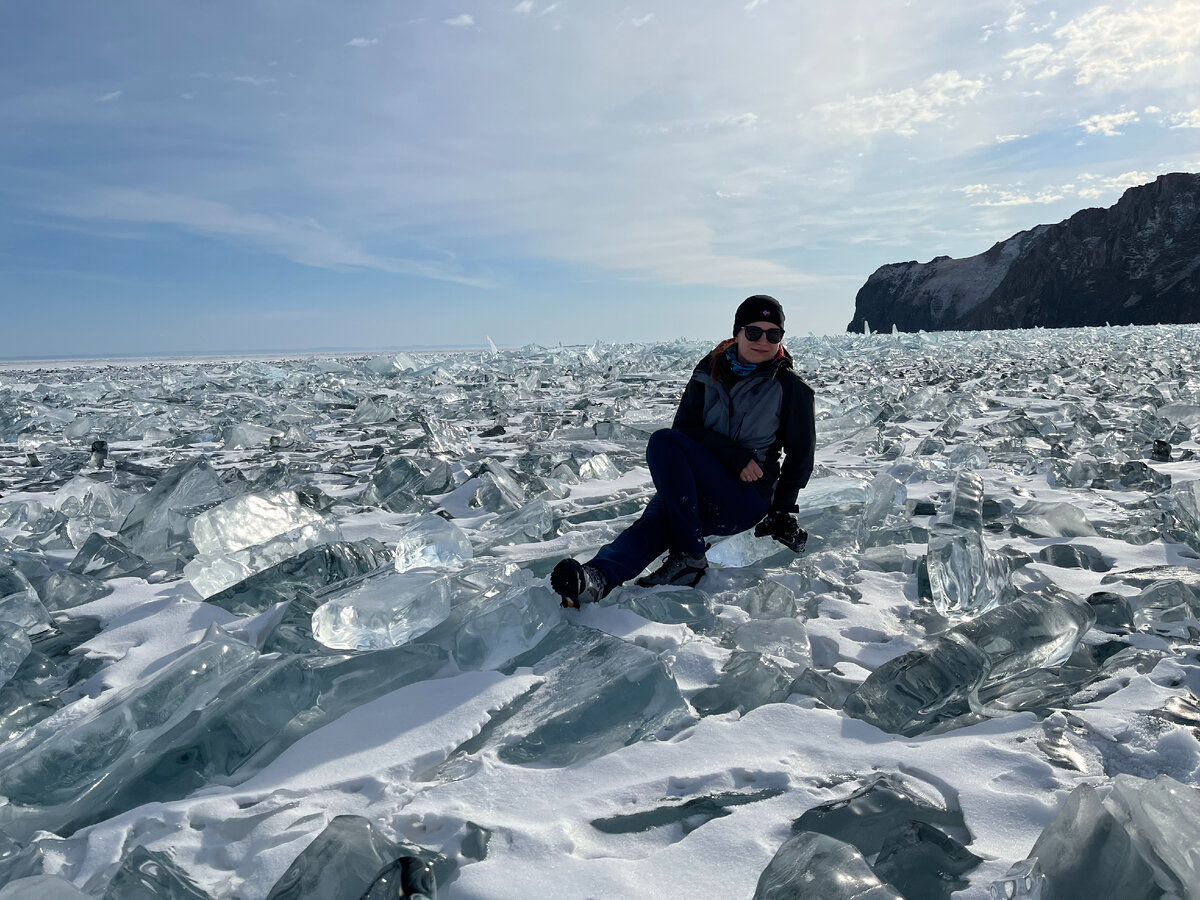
(1004, 534)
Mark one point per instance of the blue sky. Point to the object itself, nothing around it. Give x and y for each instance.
(243, 175)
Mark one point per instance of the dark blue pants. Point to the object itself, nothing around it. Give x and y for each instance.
(695, 496)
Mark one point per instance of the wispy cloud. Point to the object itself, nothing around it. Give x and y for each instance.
(301, 240)
(1185, 119)
(465, 20)
(901, 112)
(525, 7)
(362, 42)
(1108, 45)
(109, 97)
(1109, 125)
(993, 195)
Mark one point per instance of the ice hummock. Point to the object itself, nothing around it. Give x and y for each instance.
(635, 741)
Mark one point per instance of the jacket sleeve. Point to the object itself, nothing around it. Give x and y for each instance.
(689, 418)
(799, 447)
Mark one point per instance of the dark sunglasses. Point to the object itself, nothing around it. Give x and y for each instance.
(753, 333)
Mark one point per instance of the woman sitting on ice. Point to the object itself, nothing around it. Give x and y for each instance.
(717, 469)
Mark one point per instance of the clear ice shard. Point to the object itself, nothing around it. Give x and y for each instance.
(909, 694)
(430, 541)
(106, 557)
(1089, 852)
(14, 647)
(1041, 519)
(210, 575)
(499, 629)
(249, 519)
(871, 815)
(922, 862)
(19, 603)
(347, 858)
(747, 681)
(66, 590)
(42, 887)
(55, 775)
(598, 694)
(967, 502)
(690, 607)
(310, 571)
(156, 527)
(149, 875)
(811, 866)
(384, 610)
(965, 576)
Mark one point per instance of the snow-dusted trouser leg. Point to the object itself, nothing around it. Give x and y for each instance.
(695, 496)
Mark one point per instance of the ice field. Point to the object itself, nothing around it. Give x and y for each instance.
(288, 632)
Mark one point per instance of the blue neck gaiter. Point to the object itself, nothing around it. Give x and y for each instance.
(740, 369)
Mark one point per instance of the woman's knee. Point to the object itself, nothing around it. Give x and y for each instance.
(664, 442)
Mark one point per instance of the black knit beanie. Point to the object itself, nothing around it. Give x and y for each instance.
(759, 308)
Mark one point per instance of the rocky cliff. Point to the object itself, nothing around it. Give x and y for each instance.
(1135, 263)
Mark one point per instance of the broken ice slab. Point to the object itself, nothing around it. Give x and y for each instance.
(869, 817)
(885, 498)
(14, 647)
(1035, 631)
(66, 590)
(812, 866)
(598, 467)
(598, 694)
(345, 860)
(497, 490)
(1183, 504)
(909, 694)
(314, 569)
(384, 610)
(246, 435)
(690, 607)
(210, 575)
(433, 542)
(920, 861)
(499, 629)
(156, 527)
(745, 549)
(530, 524)
(59, 773)
(394, 485)
(151, 875)
(747, 681)
(761, 598)
(1136, 844)
(19, 603)
(1038, 519)
(783, 638)
(966, 503)
(1167, 607)
(276, 701)
(965, 576)
(249, 519)
(1113, 612)
(1074, 556)
(687, 815)
(41, 887)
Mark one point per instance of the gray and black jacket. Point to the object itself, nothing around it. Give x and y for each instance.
(756, 416)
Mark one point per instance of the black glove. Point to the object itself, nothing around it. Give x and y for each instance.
(784, 528)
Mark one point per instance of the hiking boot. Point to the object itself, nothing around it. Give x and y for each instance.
(678, 569)
(577, 583)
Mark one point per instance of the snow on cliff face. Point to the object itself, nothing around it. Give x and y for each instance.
(948, 287)
(1137, 262)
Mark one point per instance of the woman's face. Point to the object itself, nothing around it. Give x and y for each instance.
(759, 351)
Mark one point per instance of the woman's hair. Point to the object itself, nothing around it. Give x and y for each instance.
(718, 363)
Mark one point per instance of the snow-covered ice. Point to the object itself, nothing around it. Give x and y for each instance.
(297, 626)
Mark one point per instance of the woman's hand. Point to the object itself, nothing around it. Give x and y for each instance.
(752, 472)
